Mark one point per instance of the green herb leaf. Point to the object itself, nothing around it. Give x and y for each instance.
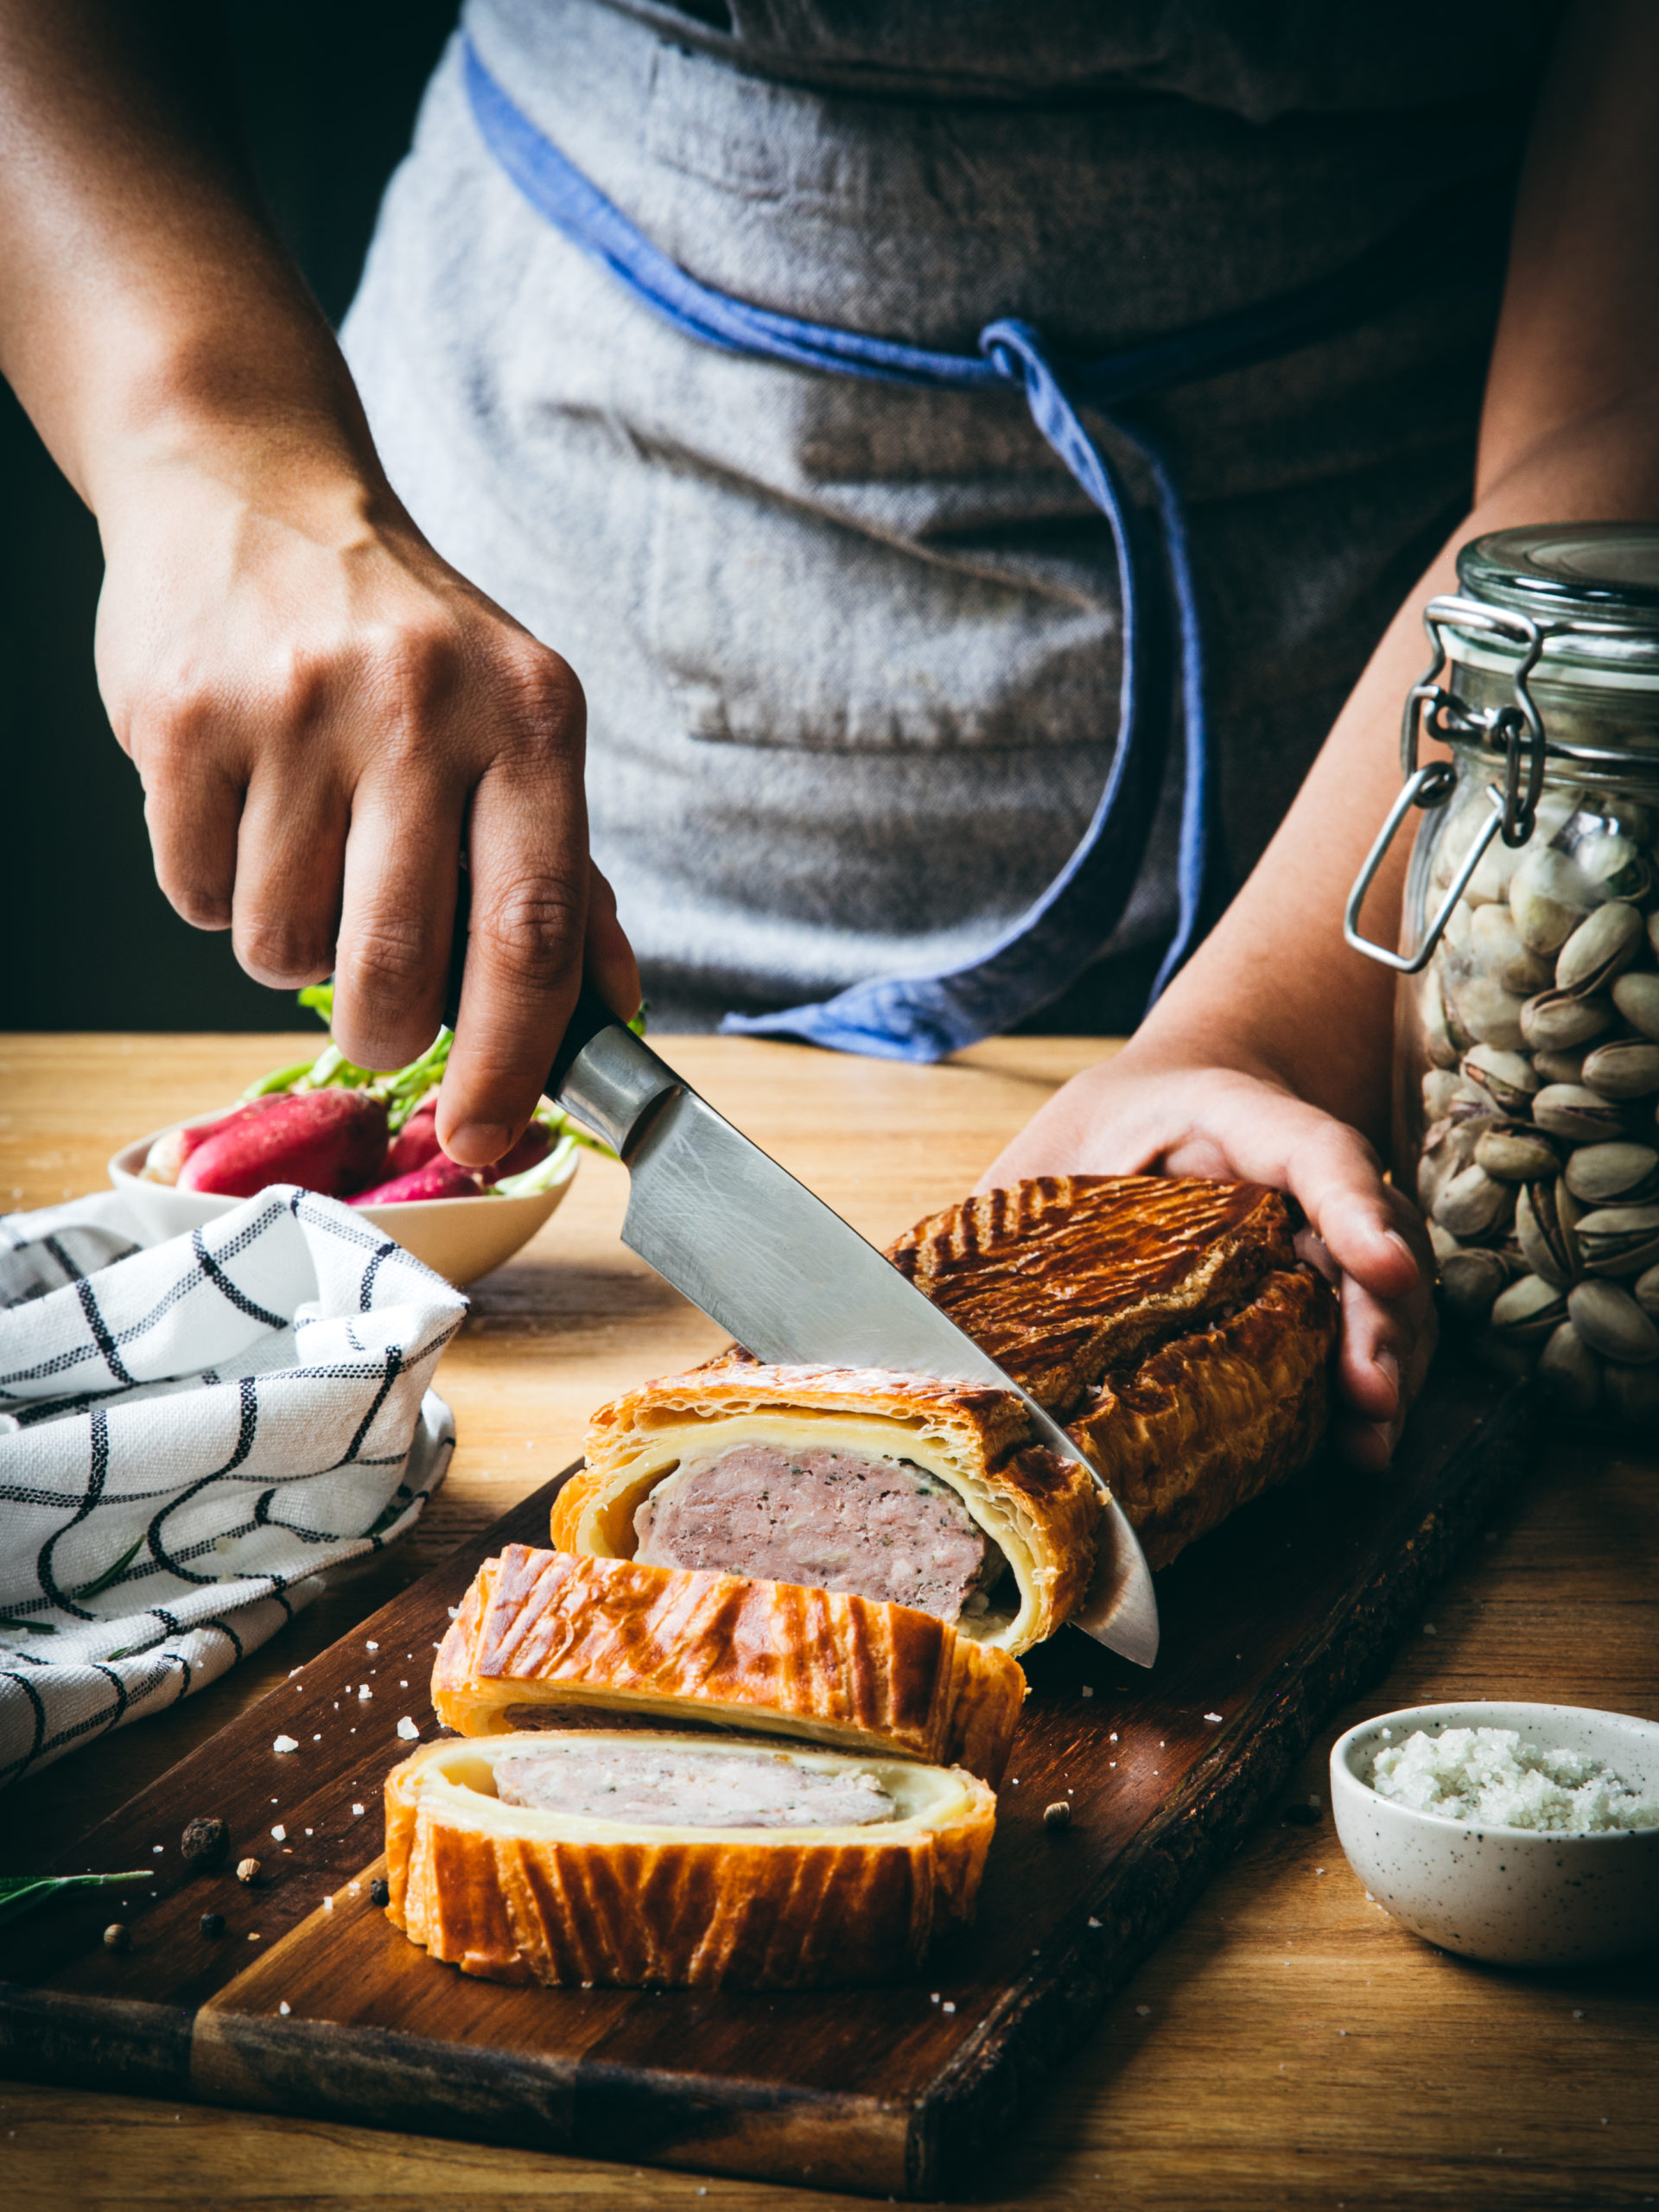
(278, 1079)
(112, 1574)
(320, 998)
(21, 1893)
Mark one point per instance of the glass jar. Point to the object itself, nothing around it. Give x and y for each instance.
(1527, 1031)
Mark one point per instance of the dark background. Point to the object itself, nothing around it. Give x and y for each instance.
(328, 93)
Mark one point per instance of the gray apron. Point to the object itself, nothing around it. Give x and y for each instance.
(850, 652)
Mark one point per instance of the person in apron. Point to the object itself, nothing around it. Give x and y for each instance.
(969, 456)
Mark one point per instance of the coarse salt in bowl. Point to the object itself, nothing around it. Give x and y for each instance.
(1497, 1849)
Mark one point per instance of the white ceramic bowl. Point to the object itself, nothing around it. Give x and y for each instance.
(1516, 1896)
(458, 1238)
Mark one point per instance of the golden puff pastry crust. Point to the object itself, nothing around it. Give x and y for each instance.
(545, 1634)
(1043, 1512)
(1211, 1421)
(1065, 1277)
(519, 1894)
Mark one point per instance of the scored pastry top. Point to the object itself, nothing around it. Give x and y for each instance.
(1063, 1277)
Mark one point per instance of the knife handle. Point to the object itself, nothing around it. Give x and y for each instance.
(601, 1073)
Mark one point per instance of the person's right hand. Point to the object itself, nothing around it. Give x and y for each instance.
(322, 713)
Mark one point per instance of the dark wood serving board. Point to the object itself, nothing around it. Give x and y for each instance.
(310, 2002)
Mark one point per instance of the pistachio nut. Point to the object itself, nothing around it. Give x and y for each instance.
(1506, 1077)
(1437, 1043)
(1515, 1153)
(1548, 898)
(1571, 1110)
(1601, 948)
(1471, 1279)
(1554, 1021)
(1619, 1240)
(1479, 1009)
(1637, 997)
(1472, 1202)
(1609, 1320)
(1559, 1067)
(1570, 1369)
(1440, 1087)
(1613, 865)
(1529, 1310)
(1544, 1216)
(1627, 1067)
(1447, 1147)
(1443, 1242)
(1493, 943)
(1645, 1291)
(1607, 1174)
(1633, 1395)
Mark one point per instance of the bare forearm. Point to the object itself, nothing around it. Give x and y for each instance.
(145, 304)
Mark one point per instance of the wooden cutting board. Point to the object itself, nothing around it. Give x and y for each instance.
(310, 2002)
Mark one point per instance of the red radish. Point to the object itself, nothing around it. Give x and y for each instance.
(167, 1156)
(439, 1178)
(415, 1144)
(328, 1141)
(535, 1144)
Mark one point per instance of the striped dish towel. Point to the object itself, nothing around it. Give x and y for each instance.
(189, 1435)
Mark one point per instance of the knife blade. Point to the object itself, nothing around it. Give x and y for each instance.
(788, 1278)
(782, 1272)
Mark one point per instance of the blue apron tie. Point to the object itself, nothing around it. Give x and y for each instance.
(925, 1017)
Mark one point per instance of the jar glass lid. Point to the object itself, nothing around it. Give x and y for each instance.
(1592, 588)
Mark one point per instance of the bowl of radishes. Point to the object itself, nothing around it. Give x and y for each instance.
(370, 1139)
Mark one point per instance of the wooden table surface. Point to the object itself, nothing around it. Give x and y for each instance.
(1286, 2046)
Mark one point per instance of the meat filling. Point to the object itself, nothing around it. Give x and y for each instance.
(688, 1787)
(878, 1529)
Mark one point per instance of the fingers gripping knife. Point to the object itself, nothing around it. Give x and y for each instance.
(790, 1280)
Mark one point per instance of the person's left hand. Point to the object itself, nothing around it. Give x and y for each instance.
(1145, 1113)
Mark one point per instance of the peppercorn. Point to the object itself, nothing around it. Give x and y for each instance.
(116, 1936)
(1058, 1814)
(380, 1891)
(212, 1923)
(205, 1843)
(247, 1870)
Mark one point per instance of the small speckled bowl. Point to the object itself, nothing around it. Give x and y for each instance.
(1515, 1897)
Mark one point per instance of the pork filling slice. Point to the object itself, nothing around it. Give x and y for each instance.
(872, 1528)
(692, 1788)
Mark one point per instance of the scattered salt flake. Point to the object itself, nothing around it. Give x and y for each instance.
(158, 1848)
(1093, 1923)
(253, 1936)
(286, 1744)
(1429, 1629)
(1088, 1689)
(408, 1731)
(365, 1692)
(1145, 2011)
(1318, 1870)
(1577, 2016)
(310, 1831)
(1213, 1718)
(403, 1686)
(280, 1833)
(934, 1999)
(947, 2006)
(371, 1646)
(1112, 1738)
(356, 1812)
(328, 1904)
(284, 2008)
(316, 1739)
(454, 1614)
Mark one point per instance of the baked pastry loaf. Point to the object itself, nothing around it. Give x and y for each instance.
(897, 1471)
(636, 1860)
(544, 1635)
(1166, 1320)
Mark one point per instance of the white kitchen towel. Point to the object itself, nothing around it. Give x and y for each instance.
(188, 1434)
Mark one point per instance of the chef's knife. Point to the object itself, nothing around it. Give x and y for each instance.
(788, 1278)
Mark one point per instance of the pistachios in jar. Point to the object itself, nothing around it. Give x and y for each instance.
(1528, 1036)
